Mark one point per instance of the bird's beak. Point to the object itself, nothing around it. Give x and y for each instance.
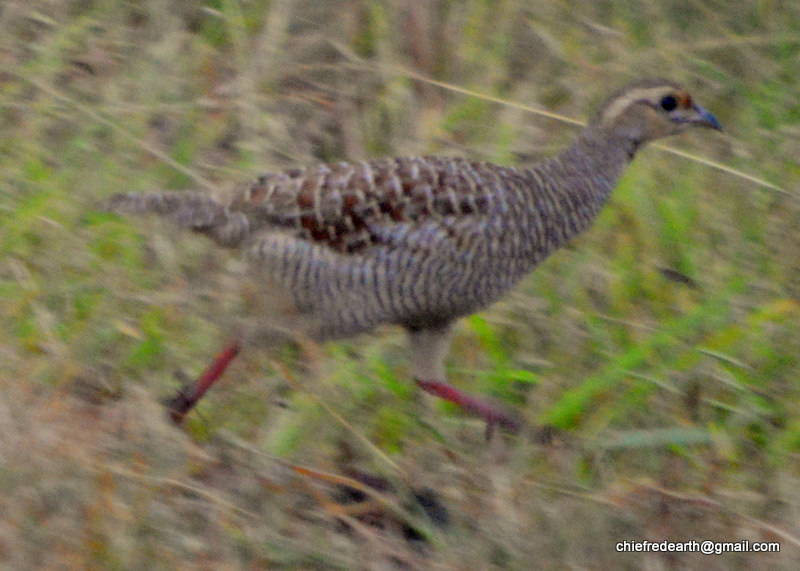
(705, 119)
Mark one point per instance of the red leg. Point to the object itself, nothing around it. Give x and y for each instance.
(180, 405)
(490, 412)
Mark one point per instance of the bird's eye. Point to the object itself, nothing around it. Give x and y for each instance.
(668, 103)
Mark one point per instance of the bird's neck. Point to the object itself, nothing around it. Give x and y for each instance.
(569, 190)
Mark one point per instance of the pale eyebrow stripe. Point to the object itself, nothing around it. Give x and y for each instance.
(641, 94)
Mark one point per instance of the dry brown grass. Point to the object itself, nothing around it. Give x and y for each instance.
(664, 345)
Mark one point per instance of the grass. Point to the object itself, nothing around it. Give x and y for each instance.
(658, 354)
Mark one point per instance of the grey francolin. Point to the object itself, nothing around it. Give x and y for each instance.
(419, 242)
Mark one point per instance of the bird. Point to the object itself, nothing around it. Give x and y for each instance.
(417, 242)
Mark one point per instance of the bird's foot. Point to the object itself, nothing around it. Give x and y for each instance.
(492, 413)
(188, 396)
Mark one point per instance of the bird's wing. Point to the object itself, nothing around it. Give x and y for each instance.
(346, 207)
(351, 207)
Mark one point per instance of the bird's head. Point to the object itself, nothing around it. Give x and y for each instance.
(651, 109)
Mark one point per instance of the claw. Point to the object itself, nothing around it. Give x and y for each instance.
(179, 405)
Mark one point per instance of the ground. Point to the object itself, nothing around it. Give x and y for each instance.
(656, 359)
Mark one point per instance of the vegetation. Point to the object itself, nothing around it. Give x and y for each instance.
(658, 356)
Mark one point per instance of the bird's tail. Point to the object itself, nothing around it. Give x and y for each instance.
(196, 211)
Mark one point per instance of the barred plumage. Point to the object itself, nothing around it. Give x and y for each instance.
(421, 242)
